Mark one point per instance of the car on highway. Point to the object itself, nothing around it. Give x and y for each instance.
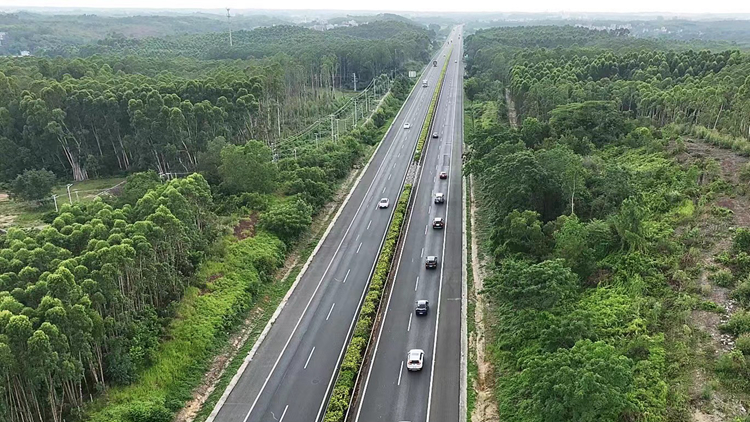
(415, 359)
(455, 61)
(430, 262)
(383, 203)
(407, 125)
(439, 198)
(434, 134)
(422, 307)
(438, 223)
(443, 174)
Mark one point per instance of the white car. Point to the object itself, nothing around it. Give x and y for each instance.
(415, 359)
(383, 203)
(407, 125)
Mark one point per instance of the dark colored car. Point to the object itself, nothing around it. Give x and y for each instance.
(438, 223)
(422, 307)
(431, 262)
(443, 174)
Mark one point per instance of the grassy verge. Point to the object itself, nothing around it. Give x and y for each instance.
(712, 136)
(431, 110)
(350, 366)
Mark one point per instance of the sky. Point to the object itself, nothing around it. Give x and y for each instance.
(661, 6)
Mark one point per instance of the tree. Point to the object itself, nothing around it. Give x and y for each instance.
(599, 121)
(589, 383)
(247, 168)
(136, 185)
(536, 286)
(288, 219)
(33, 185)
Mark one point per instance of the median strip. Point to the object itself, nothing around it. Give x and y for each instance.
(431, 110)
(352, 362)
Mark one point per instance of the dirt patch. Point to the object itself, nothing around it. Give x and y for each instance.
(485, 407)
(3, 197)
(709, 404)
(246, 227)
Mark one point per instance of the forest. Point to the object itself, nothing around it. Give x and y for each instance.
(113, 309)
(118, 113)
(62, 34)
(615, 236)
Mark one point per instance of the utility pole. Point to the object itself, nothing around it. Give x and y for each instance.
(337, 129)
(295, 154)
(354, 121)
(316, 140)
(70, 200)
(78, 199)
(332, 138)
(355, 81)
(54, 198)
(229, 23)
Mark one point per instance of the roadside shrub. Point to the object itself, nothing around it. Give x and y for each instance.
(723, 278)
(148, 412)
(738, 324)
(743, 344)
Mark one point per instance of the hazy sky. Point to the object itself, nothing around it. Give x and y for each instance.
(664, 6)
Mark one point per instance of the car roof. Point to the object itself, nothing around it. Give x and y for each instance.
(415, 352)
(383, 199)
(431, 257)
(421, 302)
(439, 194)
(438, 218)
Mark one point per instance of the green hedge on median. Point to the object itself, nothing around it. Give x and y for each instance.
(352, 363)
(431, 110)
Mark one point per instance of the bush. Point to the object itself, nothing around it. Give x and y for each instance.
(32, 185)
(738, 324)
(743, 344)
(148, 412)
(723, 278)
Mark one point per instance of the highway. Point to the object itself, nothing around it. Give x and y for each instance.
(290, 375)
(392, 393)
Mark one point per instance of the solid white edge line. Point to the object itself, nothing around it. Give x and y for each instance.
(311, 353)
(440, 290)
(463, 383)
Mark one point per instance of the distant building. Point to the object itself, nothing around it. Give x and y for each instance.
(25, 53)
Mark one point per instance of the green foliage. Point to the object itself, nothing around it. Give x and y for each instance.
(247, 168)
(288, 219)
(343, 388)
(598, 121)
(589, 382)
(520, 234)
(33, 185)
(722, 278)
(738, 324)
(537, 286)
(137, 185)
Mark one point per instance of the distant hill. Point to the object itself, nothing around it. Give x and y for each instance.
(59, 34)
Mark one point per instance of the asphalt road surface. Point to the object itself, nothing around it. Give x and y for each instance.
(392, 393)
(290, 377)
